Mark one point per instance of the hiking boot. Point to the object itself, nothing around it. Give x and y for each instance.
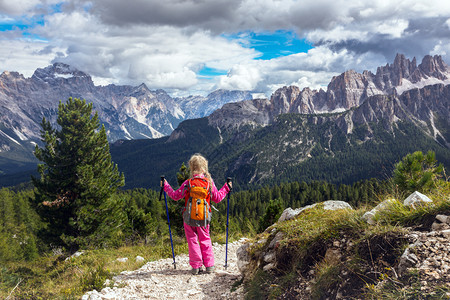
(210, 270)
(195, 271)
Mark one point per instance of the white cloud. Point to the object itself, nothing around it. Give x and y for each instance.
(441, 49)
(24, 56)
(166, 43)
(313, 69)
(241, 77)
(161, 56)
(18, 7)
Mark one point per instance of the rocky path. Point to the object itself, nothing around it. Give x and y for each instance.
(159, 280)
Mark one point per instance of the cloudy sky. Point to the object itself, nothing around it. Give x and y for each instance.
(192, 47)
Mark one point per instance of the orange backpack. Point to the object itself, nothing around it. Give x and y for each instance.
(197, 211)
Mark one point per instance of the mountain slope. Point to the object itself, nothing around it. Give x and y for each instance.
(360, 143)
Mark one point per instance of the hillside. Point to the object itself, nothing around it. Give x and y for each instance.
(329, 251)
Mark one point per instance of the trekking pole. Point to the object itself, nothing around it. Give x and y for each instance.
(228, 213)
(168, 219)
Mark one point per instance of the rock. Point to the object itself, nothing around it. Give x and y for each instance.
(369, 216)
(122, 259)
(243, 257)
(290, 213)
(193, 292)
(439, 226)
(333, 256)
(269, 267)
(278, 237)
(269, 257)
(442, 223)
(76, 254)
(443, 219)
(416, 199)
(446, 233)
(407, 260)
(139, 259)
(335, 205)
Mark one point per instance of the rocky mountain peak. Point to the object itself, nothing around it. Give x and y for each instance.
(7, 75)
(141, 91)
(434, 67)
(344, 92)
(283, 98)
(60, 73)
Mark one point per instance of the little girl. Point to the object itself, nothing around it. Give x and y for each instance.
(197, 236)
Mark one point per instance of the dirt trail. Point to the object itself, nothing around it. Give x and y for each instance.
(159, 280)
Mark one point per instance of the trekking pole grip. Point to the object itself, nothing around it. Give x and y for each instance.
(228, 183)
(162, 180)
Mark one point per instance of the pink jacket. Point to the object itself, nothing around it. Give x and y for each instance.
(180, 193)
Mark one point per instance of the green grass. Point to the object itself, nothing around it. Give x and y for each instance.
(318, 224)
(52, 277)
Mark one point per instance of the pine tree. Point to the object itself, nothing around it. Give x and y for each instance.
(183, 175)
(271, 215)
(77, 177)
(417, 172)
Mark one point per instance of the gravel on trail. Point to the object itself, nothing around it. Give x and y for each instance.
(159, 280)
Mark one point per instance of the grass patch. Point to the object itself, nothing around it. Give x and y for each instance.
(53, 277)
(258, 287)
(315, 227)
(327, 276)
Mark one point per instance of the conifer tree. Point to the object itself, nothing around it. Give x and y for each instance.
(417, 172)
(77, 177)
(183, 175)
(272, 214)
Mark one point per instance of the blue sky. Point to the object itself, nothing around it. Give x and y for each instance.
(268, 44)
(193, 47)
(273, 44)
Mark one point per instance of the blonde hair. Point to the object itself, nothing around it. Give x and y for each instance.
(199, 165)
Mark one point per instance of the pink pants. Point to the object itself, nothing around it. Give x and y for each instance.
(200, 247)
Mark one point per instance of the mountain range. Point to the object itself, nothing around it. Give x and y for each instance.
(358, 128)
(128, 112)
